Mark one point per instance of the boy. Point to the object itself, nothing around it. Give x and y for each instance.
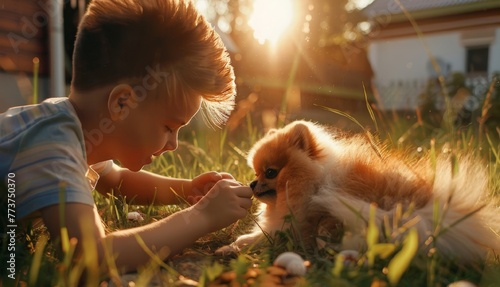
(142, 70)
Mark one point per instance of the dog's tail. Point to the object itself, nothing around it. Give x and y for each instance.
(460, 221)
(465, 209)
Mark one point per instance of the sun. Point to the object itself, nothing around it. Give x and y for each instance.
(270, 19)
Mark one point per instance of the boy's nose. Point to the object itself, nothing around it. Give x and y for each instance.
(171, 144)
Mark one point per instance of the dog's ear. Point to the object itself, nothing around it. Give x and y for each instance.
(301, 137)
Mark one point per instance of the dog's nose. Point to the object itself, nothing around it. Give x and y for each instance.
(253, 184)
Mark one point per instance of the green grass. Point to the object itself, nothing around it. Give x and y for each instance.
(387, 263)
(41, 266)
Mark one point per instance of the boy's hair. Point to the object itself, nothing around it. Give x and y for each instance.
(152, 41)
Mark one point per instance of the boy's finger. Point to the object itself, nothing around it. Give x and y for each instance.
(214, 176)
(226, 175)
(245, 203)
(209, 176)
(232, 182)
(208, 186)
(193, 199)
(244, 191)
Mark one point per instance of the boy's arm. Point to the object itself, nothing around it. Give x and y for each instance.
(225, 203)
(143, 187)
(146, 187)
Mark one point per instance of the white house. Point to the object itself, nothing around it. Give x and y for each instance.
(460, 35)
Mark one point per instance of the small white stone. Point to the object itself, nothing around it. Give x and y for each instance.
(462, 283)
(292, 263)
(135, 216)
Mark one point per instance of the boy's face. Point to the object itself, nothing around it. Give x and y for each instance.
(152, 127)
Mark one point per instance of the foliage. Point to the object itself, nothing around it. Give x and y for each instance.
(468, 99)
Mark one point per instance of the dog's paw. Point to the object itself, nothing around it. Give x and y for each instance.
(228, 251)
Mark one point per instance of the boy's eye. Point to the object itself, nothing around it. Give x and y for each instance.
(271, 173)
(168, 129)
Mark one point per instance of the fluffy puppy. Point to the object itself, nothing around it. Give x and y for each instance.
(327, 182)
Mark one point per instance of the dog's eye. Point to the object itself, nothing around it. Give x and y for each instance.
(271, 173)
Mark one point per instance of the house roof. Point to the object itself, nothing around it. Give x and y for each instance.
(433, 16)
(427, 8)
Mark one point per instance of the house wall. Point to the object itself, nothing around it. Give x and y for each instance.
(402, 65)
(17, 89)
(23, 37)
(495, 53)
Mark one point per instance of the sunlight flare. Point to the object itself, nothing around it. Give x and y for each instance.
(270, 19)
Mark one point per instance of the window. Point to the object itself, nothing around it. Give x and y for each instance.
(477, 60)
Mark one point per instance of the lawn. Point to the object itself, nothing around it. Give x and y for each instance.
(204, 149)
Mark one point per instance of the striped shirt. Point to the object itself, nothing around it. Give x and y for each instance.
(43, 147)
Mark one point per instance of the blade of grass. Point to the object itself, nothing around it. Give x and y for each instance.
(492, 149)
(37, 259)
(372, 235)
(447, 228)
(36, 65)
(366, 132)
(370, 110)
(351, 208)
(62, 217)
(485, 109)
(401, 261)
(90, 257)
(154, 257)
(288, 87)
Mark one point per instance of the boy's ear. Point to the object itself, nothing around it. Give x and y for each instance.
(120, 101)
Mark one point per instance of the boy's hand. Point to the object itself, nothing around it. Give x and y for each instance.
(225, 203)
(204, 182)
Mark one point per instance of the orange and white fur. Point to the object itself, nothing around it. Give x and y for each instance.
(328, 180)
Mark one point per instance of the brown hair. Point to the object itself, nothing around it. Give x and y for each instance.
(127, 40)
